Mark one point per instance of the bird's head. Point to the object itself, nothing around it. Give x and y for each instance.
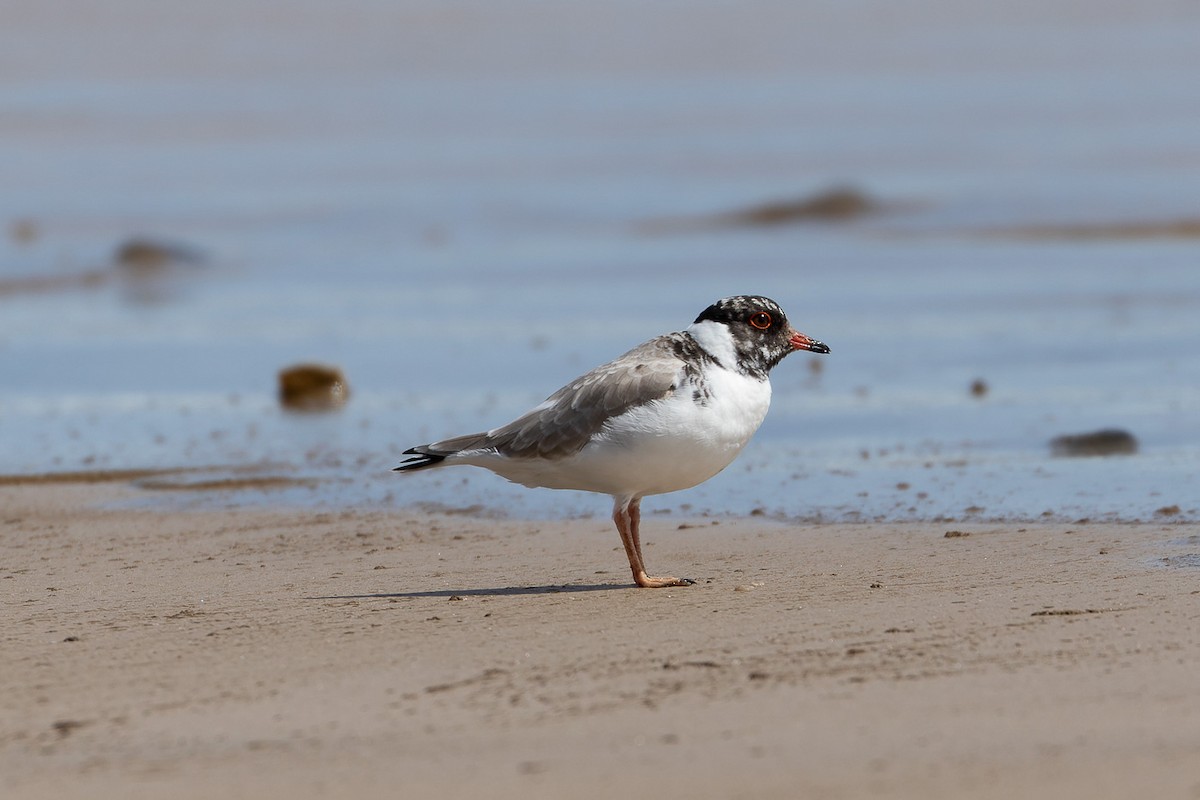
(749, 333)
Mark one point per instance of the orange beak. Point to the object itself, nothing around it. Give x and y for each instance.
(801, 342)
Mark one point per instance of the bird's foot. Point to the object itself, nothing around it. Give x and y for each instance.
(650, 582)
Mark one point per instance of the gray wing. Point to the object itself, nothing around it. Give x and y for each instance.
(562, 424)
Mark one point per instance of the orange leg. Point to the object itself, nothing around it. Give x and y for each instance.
(627, 516)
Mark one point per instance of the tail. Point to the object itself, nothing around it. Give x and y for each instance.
(421, 458)
(430, 455)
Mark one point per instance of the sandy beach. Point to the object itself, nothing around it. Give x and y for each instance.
(254, 653)
(903, 587)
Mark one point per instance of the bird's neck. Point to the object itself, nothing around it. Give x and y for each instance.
(716, 340)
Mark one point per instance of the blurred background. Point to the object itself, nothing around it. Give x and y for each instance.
(990, 212)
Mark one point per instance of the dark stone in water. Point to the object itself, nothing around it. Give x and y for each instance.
(1108, 442)
(312, 387)
(834, 204)
(139, 255)
(837, 204)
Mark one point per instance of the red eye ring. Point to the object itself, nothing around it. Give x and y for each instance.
(760, 320)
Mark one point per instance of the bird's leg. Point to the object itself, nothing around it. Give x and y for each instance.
(622, 520)
(627, 516)
(635, 528)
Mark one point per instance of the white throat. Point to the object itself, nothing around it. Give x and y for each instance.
(717, 340)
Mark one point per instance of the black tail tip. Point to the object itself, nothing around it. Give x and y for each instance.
(418, 460)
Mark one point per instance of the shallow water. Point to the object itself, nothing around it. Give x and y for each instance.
(452, 206)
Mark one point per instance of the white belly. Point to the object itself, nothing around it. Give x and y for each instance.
(660, 447)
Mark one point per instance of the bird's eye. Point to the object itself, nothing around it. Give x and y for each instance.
(760, 320)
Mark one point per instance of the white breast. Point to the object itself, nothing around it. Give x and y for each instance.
(663, 446)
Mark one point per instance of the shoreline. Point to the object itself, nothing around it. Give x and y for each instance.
(271, 485)
(254, 652)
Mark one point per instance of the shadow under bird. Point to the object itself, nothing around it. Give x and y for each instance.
(666, 416)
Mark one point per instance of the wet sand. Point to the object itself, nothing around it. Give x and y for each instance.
(251, 653)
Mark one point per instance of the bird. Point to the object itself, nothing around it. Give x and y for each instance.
(665, 416)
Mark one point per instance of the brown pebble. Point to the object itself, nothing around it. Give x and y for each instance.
(312, 387)
(1167, 511)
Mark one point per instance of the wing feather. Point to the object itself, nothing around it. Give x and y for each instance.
(564, 423)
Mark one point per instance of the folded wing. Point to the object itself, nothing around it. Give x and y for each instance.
(564, 423)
